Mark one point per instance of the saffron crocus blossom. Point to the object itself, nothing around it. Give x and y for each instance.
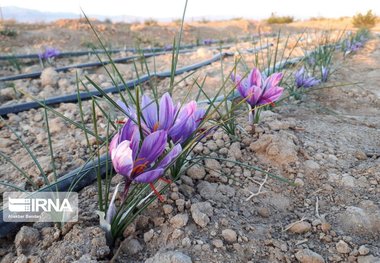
(49, 53)
(325, 71)
(186, 123)
(168, 47)
(258, 89)
(158, 117)
(141, 164)
(208, 41)
(179, 122)
(303, 80)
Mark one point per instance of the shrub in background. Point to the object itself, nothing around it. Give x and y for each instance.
(364, 21)
(274, 19)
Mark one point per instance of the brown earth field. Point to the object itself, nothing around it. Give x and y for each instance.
(327, 144)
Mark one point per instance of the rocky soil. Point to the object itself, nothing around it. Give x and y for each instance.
(328, 144)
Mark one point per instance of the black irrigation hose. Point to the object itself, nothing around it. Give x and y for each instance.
(74, 180)
(114, 89)
(133, 50)
(91, 52)
(87, 65)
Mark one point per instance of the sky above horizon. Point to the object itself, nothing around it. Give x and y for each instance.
(202, 8)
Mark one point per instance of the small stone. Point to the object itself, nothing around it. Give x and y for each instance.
(85, 259)
(348, 180)
(186, 242)
(49, 77)
(179, 220)
(129, 230)
(56, 125)
(300, 227)
(368, 259)
(299, 182)
(217, 243)
(263, 212)
(311, 165)
(309, 256)
(342, 247)
(26, 237)
(196, 172)
(63, 84)
(213, 164)
(229, 235)
(212, 146)
(167, 209)
(325, 227)
(148, 236)
(201, 213)
(131, 246)
(207, 190)
(177, 233)
(363, 250)
(21, 259)
(360, 155)
(235, 151)
(37, 117)
(169, 257)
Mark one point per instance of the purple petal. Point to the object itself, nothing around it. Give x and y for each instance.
(254, 95)
(122, 159)
(127, 130)
(273, 80)
(254, 78)
(152, 147)
(167, 112)
(182, 130)
(242, 90)
(149, 111)
(128, 111)
(149, 176)
(172, 155)
(199, 115)
(271, 95)
(114, 142)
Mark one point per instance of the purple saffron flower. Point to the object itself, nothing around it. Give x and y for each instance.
(208, 41)
(49, 53)
(168, 47)
(325, 73)
(179, 123)
(258, 89)
(141, 164)
(303, 80)
(186, 123)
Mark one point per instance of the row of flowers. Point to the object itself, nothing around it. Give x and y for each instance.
(157, 135)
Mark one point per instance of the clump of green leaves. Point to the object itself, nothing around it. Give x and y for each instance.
(8, 32)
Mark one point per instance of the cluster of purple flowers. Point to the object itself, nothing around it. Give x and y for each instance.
(258, 89)
(209, 41)
(49, 53)
(141, 154)
(353, 44)
(303, 80)
(325, 72)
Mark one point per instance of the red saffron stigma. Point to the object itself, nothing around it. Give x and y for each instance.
(156, 192)
(165, 180)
